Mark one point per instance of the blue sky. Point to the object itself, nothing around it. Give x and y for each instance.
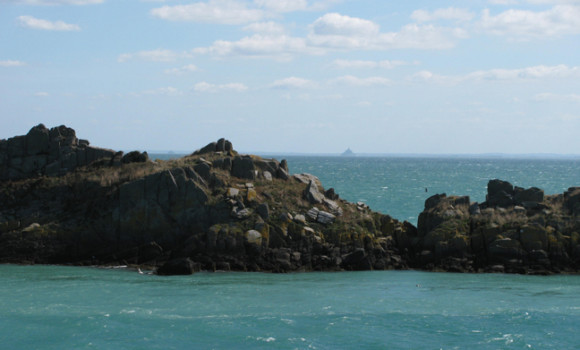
(460, 77)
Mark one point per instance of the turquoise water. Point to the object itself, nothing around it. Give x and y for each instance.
(396, 186)
(48, 307)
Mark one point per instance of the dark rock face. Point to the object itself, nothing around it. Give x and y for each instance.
(519, 230)
(135, 157)
(180, 266)
(572, 200)
(222, 145)
(500, 193)
(43, 151)
(218, 210)
(532, 194)
(244, 168)
(312, 194)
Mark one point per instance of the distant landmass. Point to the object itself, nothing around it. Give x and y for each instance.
(348, 153)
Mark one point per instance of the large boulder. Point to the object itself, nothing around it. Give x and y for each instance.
(254, 237)
(530, 195)
(572, 200)
(432, 201)
(312, 194)
(135, 157)
(222, 145)
(243, 167)
(500, 194)
(179, 266)
(209, 148)
(37, 140)
(358, 260)
(441, 209)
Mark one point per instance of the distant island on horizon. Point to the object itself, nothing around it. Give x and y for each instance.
(348, 153)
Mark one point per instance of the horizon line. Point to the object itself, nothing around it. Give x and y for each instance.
(395, 155)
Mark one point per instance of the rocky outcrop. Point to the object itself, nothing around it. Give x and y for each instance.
(219, 210)
(514, 230)
(222, 146)
(43, 151)
(179, 266)
(135, 157)
(214, 210)
(503, 194)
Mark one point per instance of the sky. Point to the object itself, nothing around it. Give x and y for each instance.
(304, 76)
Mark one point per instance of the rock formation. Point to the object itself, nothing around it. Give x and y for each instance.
(63, 201)
(215, 209)
(514, 230)
(46, 152)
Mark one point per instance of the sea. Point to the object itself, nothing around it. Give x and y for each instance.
(63, 307)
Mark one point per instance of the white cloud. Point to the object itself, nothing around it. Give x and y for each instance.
(41, 94)
(42, 24)
(207, 87)
(556, 97)
(428, 76)
(413, 36)
(182, 70)
(337, 24)
(526, 25)
(56, 2)
(164, 91)
(333, 32)
(293, 83)
(503, 2)
(11, 63)
(450, 13)
(356, 81)
(535, 72)
(385, 64)
(529, 73)
(535, 2)
(153, 55)
(285, 6)
(280, 47)
(213, 11)
(266, 28)
(282, 5)
(555, 2)
(344, 32)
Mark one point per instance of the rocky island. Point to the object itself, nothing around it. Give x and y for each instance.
(63, 201)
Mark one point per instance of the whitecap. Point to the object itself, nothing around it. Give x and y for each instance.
(267, 340)
(287, 321)
(124, 311)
